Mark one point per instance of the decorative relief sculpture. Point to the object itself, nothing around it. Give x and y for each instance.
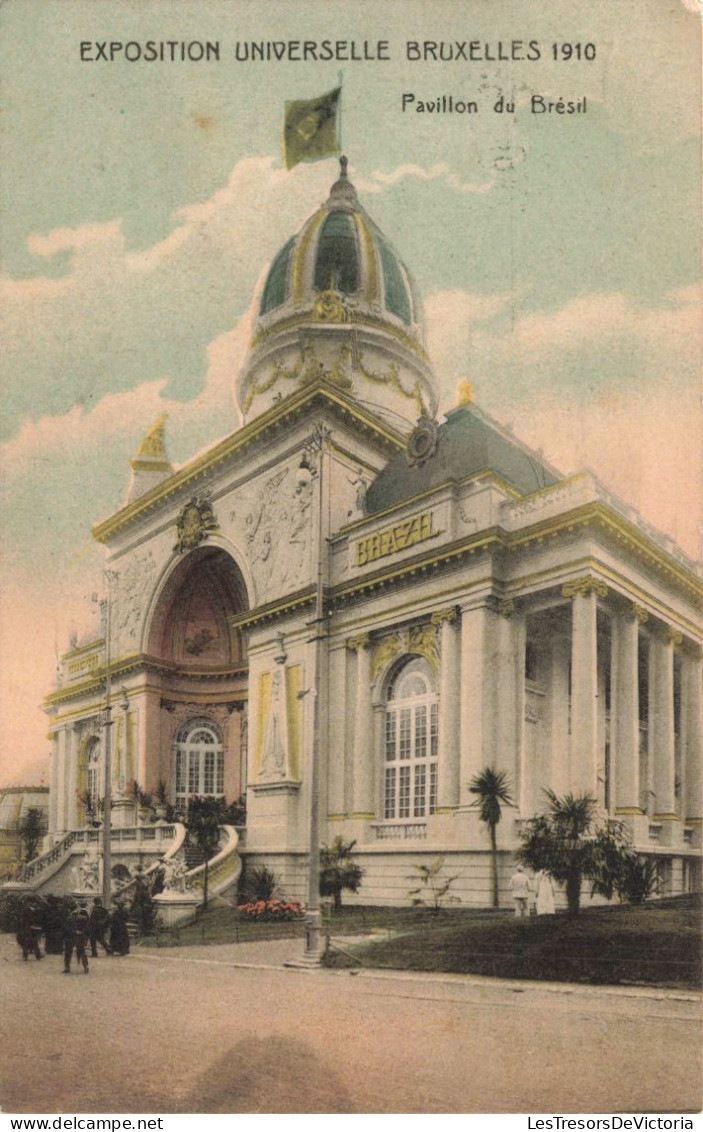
(194, 524)
(277, 534)
(330, 306)
(87, 873)
(384, 651)
(422, 639)
(274, 758)
(133, 588)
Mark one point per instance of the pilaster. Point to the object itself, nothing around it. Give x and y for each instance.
(449, 701)
(362, 757)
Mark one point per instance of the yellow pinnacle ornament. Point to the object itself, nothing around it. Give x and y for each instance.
(464, 393)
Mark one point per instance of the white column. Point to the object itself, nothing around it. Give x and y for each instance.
(336, 744)
(510, 694)
(55, 783)
(363, 755)
(583, 770)
(449, 700)
(559, 709)
(477, 728)
(661, 723)
(624, 717)
(72, 742)
(693, 754)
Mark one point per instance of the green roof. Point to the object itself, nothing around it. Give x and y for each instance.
(467, 443)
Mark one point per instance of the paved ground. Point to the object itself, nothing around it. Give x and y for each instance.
(225, 1029)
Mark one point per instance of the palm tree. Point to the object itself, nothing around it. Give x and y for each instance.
(338, 870)
(493, 788)
(566, 843)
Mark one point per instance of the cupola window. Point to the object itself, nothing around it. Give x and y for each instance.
(276, 288)
(395, 295)
(337, 261)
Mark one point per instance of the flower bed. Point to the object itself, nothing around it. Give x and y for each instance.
(265, 911)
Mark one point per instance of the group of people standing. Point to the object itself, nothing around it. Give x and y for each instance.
(536, 892)
(69, 928)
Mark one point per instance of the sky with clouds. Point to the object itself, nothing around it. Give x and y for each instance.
(557, 255)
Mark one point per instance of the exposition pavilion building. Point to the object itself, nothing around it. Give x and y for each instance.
(349, 609)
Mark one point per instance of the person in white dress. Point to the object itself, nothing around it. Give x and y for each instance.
(544, 904)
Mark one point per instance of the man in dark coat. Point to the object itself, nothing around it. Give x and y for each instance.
(76, 934)
(29, 930)
(99, 918)
(119, 934)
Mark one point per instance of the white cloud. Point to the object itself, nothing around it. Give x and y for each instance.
(378, 182)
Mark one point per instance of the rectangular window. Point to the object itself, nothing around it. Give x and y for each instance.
(434, 729)
(220, 783)
(405, 741)
(193, 773)
(420, 751)
(433, 787)
(209, 775)
(419, 791)
(390, 736)
(389, 805)
(404, 792)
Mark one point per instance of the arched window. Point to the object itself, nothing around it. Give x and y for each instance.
(93, 770)
(410, 764)
(200, 767)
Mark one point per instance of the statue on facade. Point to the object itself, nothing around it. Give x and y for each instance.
(88, 871)
(174, 870)
(273, 764)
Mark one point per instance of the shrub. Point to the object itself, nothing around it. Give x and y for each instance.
(261, 884)
(433, 889)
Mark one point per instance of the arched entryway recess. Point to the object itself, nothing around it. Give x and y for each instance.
(198, 669)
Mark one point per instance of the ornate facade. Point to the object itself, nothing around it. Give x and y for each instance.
(404, 602)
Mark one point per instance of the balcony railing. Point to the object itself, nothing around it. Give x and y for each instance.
(400, 831)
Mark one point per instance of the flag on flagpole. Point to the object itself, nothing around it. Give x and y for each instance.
(310, 129)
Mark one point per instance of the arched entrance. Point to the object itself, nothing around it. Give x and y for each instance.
(196, 727)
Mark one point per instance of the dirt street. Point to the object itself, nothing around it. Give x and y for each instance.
(184, 1030)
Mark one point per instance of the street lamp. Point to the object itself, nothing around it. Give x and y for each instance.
(106, 616)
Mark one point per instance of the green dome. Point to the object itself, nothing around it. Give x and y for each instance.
(339, 248)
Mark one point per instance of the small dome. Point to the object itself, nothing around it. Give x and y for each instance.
(339, 302)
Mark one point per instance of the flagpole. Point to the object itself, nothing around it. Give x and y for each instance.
(340, 77)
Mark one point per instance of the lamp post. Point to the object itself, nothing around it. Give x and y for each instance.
(316, 447)
(106, 615)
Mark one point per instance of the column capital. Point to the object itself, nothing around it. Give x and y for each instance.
(640, 613)
(671, 636)
(448, 616)
(581, 587)
(358, 641)
(507, 606)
